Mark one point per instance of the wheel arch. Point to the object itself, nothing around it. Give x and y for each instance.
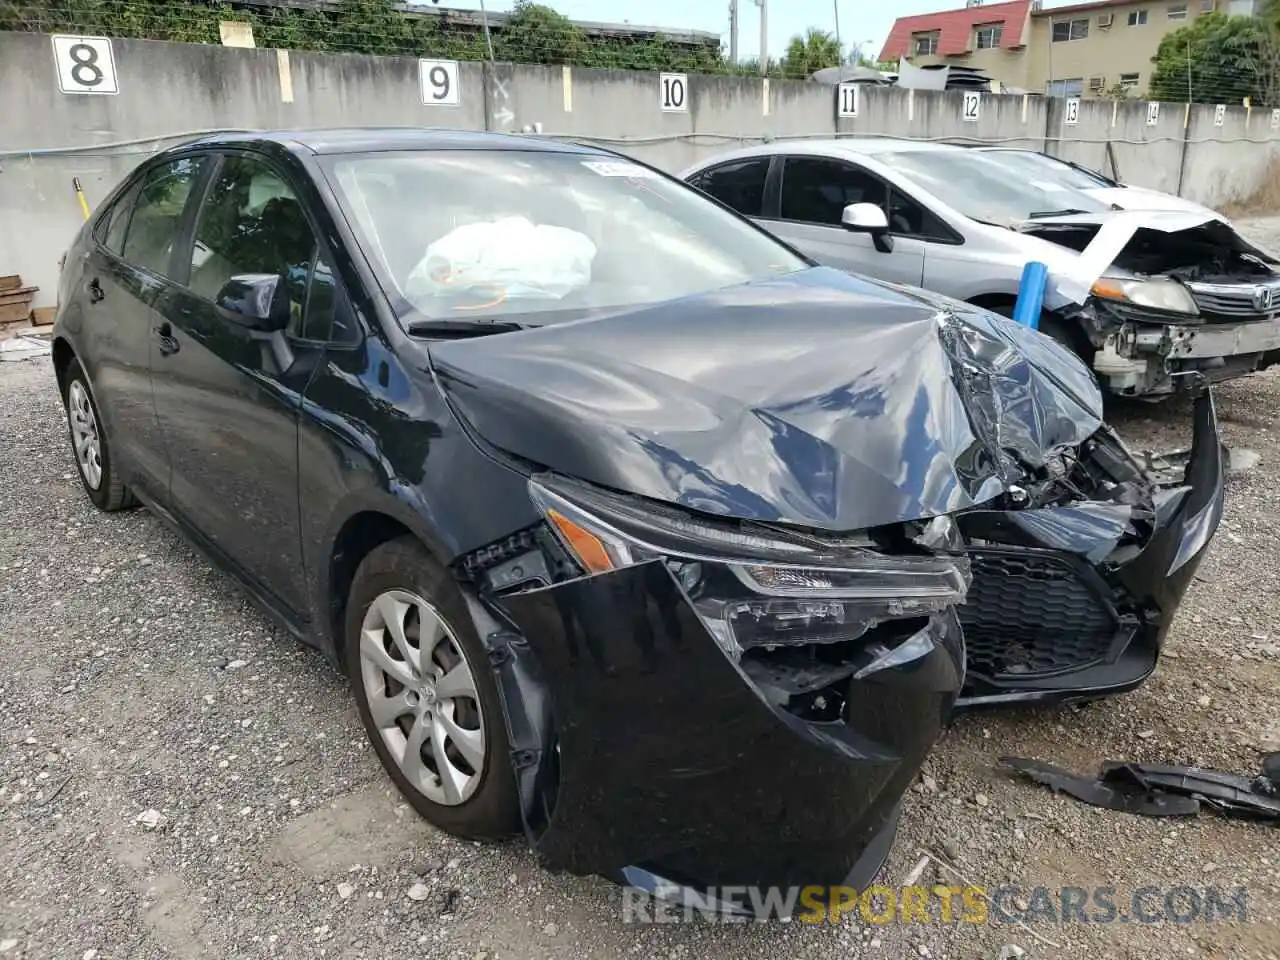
(360, 533)
(63, 356)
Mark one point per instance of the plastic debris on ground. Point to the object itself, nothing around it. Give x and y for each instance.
(1162, 790)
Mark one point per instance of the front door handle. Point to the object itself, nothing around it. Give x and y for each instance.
(168, 342)
(95, 291)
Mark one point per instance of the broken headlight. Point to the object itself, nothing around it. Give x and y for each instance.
(1154, 293)
(753, 585)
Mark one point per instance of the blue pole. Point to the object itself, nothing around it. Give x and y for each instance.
(1026, 311)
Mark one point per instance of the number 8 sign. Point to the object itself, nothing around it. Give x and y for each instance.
(85, 65)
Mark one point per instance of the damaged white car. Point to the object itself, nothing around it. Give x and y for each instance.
(1149, 299)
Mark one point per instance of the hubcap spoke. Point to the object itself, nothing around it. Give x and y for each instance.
(372, 651)
(470, 743)
(452, 780)
(387, 710)
(458, 682)
(393, 612)
(411, 760)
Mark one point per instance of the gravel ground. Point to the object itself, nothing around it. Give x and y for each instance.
(139, 682)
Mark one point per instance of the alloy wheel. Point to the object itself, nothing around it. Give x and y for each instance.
(422, 696)
(84, 434)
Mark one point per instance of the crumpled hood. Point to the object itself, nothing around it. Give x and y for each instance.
(817, 399)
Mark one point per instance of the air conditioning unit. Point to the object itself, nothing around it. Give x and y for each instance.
(1106, 19)
(1097, 84)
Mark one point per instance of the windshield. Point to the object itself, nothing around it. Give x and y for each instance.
(1045, 167)
(982, 187)
(506, 234)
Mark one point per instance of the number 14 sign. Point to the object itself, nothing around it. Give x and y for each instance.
(85, 65)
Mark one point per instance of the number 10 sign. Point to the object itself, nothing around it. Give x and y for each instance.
(85, 65)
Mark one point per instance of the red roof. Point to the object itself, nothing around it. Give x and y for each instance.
(956, 28)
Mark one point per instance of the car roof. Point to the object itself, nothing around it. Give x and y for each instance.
(337, 140)
(848, 147)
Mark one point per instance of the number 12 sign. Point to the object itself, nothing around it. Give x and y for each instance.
(85, 65)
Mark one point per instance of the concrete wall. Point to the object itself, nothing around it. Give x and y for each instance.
(167, 90)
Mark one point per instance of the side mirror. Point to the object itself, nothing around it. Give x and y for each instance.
(870, 219)
(864, 218)
(258, 301)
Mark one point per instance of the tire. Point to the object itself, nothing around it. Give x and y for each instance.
(400, 582)
(97, 470)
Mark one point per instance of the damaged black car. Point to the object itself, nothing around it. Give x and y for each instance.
(632, 528)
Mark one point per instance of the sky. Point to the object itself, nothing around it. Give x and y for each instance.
(861, 21)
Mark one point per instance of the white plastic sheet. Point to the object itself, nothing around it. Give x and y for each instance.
(513, 257)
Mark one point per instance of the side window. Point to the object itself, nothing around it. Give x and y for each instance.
(157, 214)
(112, 222)
(909, 219)
(739, 184)
(317, 319)
(817, 191)
(252, 222)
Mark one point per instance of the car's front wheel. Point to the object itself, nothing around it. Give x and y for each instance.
(426, 694)
(89, 444)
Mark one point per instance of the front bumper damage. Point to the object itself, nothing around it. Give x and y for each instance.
(1137, 354)
(1066, 604)
(644, 754)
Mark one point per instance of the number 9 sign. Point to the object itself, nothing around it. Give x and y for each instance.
(439, 82)
(85, 65)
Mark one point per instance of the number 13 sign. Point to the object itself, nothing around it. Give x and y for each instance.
(85, 65)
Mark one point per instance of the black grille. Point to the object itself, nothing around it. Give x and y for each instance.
(1033, 614)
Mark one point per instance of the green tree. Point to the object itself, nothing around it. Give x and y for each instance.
(812, 51)
(1216, 59)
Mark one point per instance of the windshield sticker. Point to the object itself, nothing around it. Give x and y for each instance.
(618, 168)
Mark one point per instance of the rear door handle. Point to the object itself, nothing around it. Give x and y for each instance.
(168, 342)
(95, 291)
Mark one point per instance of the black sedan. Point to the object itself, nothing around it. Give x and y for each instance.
(630, 525)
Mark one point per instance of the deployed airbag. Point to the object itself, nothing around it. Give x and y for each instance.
(512, 257)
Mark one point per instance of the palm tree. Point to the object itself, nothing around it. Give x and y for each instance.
(813, 51)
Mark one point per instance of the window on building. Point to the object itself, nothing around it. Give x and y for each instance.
(1137, 18)
(987, 37)
(1207, 6)
(1097, 84)
(1129, 80)
(1178, 12)
(1064, 30)
(1065, 88)
(924, 44)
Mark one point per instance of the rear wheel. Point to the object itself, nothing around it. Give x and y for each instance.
(89, 444)
(426, 694)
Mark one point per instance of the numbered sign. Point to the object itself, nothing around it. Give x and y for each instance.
(674, 92)
(85, 65)
(1153, 114)
(1072, 116)
(972, 106)
(1275, 119)
(1219, 114)
(438, 80)
(847, 100)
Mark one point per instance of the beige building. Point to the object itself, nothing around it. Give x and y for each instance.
(1085, 49)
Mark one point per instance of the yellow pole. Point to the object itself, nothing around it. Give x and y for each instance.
(84, 204)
